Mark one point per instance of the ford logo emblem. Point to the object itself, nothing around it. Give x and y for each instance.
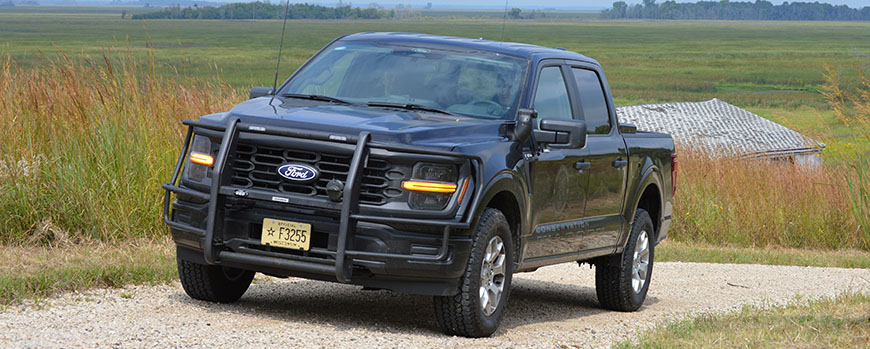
(298, 172)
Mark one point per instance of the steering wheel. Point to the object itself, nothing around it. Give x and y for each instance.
(493, 106)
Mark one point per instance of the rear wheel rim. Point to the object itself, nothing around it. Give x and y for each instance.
(640, 263)
(492, 275)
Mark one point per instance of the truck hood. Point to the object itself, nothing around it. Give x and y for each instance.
(388, 125)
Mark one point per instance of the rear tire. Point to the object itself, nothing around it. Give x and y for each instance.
(485, 286)
(213, 283)
(622, 281)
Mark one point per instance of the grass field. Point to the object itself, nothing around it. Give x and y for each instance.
(838, 322)
(762, 64)
(90, 105)
(773, 68)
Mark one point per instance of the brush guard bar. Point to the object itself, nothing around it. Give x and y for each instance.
(350, 206)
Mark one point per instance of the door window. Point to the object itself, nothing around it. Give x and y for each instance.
(551, 97)
(592, 101)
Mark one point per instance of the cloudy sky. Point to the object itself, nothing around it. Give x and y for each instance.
(574, 3)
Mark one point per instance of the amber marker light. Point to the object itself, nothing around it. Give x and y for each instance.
(432, 187)
(462, 192)
(201, 159)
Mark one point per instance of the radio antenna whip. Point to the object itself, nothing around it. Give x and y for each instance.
(504, 19)
(280, 48)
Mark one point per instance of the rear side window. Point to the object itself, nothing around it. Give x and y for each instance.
(551, 97)
(592, 101)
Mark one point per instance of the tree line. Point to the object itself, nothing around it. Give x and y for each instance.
(260, 10)
(727, 10)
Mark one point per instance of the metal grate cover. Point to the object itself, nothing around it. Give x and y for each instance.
(719, 128)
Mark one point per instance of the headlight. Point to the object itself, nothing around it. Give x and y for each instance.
(200, 158)
(431, 186)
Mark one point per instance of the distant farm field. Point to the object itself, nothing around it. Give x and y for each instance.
(750, 64)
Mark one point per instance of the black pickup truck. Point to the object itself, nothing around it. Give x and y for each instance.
(427, 165)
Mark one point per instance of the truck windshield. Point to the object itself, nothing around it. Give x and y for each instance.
(476, 84)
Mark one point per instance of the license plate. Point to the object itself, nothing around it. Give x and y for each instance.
(286, 234)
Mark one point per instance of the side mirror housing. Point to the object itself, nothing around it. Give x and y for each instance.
(260, 91)
(525, 122)
(627, 128)
(562, 133)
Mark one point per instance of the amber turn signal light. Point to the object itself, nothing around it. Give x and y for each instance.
(462, 193)
(201, 159)
(432, 187)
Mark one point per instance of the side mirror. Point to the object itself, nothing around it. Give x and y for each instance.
(560, 133)
(627, 128)
(525, 122)
(260, 91)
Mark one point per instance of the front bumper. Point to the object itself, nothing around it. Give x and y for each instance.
(412, 255)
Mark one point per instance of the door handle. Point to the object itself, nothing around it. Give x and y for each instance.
(582, 165)
(619, 163)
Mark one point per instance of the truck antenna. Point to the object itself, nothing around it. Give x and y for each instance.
(280, 48)
(504, 19)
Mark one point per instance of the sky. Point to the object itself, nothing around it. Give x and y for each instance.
(573, 4)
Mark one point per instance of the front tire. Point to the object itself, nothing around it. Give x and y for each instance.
(213, 283)
(622, 281)
(485, 286)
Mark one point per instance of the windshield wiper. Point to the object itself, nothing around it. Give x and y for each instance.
(409, 107)
(316, 98)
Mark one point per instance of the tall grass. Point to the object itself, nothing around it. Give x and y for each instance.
(762, 203)
(859, 193)
(852, 107)
(87, 142)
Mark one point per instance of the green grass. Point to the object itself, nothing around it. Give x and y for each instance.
(765, 64)
(839, 322)
(28, 273)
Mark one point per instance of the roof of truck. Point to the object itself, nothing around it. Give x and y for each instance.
(508, 48)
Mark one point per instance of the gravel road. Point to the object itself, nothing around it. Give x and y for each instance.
(554, 306)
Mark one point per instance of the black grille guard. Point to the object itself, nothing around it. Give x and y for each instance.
(349, 216)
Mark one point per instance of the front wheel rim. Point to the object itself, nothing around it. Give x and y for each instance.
(492, 275)
(640, 263)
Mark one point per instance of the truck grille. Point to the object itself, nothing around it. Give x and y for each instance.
(255, 166)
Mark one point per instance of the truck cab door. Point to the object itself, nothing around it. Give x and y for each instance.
(609, 161)
(558, 188)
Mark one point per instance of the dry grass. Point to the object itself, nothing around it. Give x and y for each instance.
(852, 107)
(28, 272)
(760, 203)
(87, 143)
